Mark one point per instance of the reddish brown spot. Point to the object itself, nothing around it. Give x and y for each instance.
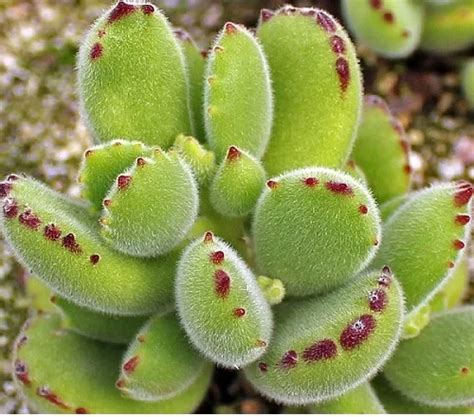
(204, 53)
(376, 242)
(233, 154)
(5, 188)
(397, 126)
(388, 17)
(50, 396)
(52, 232)
(239, 312)
(120, 383)
(101, 33)
(88, 153)
(123, 181)
(357, 332)
(339, 188)
(337, 44)
(378, 300)
(221, 283)
(13, 177)
(148, 9)
(120, 11)
(385, 279)
(351, 164)
(217, 257)
(266, 15)
(141, 162)
(10, 209)
(407, 169)
(30, 220)
(21, 372)
(463, 194)
(81, 410)
(458, 244)
(289, 359)
(21, 342)
(311, 182)
(326, 21)
(450, 264)
(465, 370)
(321, 350)
(230, 28)
(94, 259)
(406, 33)
(141, 338)
(272, 184)
(363, 209)
(208, 237)
(96, 50)
(107, 202)
(405, 146)
(263, 366)
(343, 72)
(131, 364)
(69, 242)
(375, 4)
(53, 298)
(462, 219)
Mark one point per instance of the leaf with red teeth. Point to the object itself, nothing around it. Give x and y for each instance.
(133, 82)
(69, 373)
(221, 305)
(237, 184)
(317, 88)
(314, 236)
(163, 364)
(239, 94)
(392, 28)
(421, 240)
(324, 346)
(382, 151)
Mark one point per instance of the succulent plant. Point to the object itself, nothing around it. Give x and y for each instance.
(260, 244)
(396, 28)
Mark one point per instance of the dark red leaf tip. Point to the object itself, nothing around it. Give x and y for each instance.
(233, 153)
(130, 366)
(326, 21)
(52, 232)
(123, 181)
(239, 312)
(272, 184)
(96, 51)
(69, 242)
(208, 237)
(363, 209)
(320, 350)
(339, 188)
(462, 219)
(30, 220)
(217, 257)
(221, 283)
(377, 300)
(458, 244)
(21, 372)
(94, 259)
(463, 193)
(148, 9)
(338, 45)
(388, 17)
(263, 366)
(5, 188)
(266, 15)
(10, 209)
(289, 359)
(343, 72)
(311, 182)
(50, 396)
(120, 11)
(230, 28)
(357, 332)
(81, 410)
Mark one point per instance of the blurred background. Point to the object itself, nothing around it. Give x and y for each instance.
(42, 135)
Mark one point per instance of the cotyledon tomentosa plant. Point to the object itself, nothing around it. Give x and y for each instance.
(259, 245)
